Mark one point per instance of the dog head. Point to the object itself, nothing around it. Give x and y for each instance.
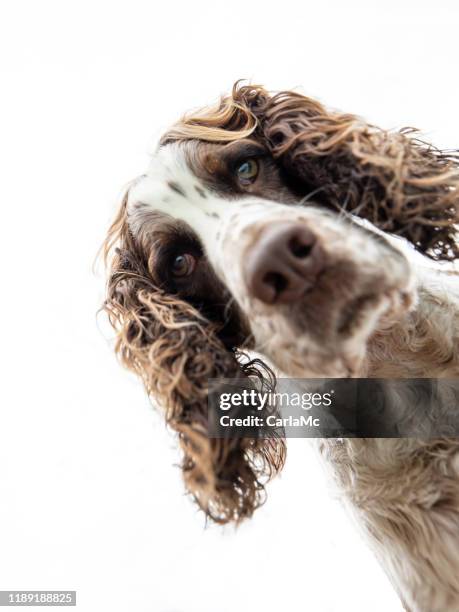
(249, 232)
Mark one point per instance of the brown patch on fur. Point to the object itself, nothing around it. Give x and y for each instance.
(176, 187)
(398, 182)
(175, 350)
(214, 164)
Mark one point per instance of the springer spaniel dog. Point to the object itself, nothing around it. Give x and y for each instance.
(268, 223)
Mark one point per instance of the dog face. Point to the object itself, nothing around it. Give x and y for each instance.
(296, 282)
(250, 231)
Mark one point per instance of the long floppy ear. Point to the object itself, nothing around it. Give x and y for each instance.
(398, 182)
(175, 351)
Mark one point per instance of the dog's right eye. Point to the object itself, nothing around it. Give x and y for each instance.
(183, 265)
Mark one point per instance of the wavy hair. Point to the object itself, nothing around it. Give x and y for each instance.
(397, 181)
(175, 351)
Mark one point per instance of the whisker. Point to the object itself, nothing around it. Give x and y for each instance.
(310, 195)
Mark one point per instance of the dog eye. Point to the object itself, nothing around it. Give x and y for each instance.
(247, 171)
(183, 265)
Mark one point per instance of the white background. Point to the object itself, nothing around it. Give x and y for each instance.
(89, 495)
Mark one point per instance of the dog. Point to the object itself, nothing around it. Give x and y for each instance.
(268, 223)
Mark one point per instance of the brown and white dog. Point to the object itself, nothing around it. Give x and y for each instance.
(267, 223)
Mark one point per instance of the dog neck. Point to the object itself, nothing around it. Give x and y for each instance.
(424, 342)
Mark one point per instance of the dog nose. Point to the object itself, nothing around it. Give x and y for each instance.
(283, 263)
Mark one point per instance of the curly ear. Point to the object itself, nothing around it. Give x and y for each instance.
(175, 351)
(398, 182)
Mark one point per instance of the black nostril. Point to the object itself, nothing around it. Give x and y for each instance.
(299, 247)
(276, 280)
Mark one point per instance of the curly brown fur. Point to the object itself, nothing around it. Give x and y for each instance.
(395, 180)
(175, 350)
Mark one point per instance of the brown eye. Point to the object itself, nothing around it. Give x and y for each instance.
(247, 171)
(183, 265)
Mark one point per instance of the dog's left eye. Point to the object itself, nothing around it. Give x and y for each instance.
(183, 265)
(247, 171)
